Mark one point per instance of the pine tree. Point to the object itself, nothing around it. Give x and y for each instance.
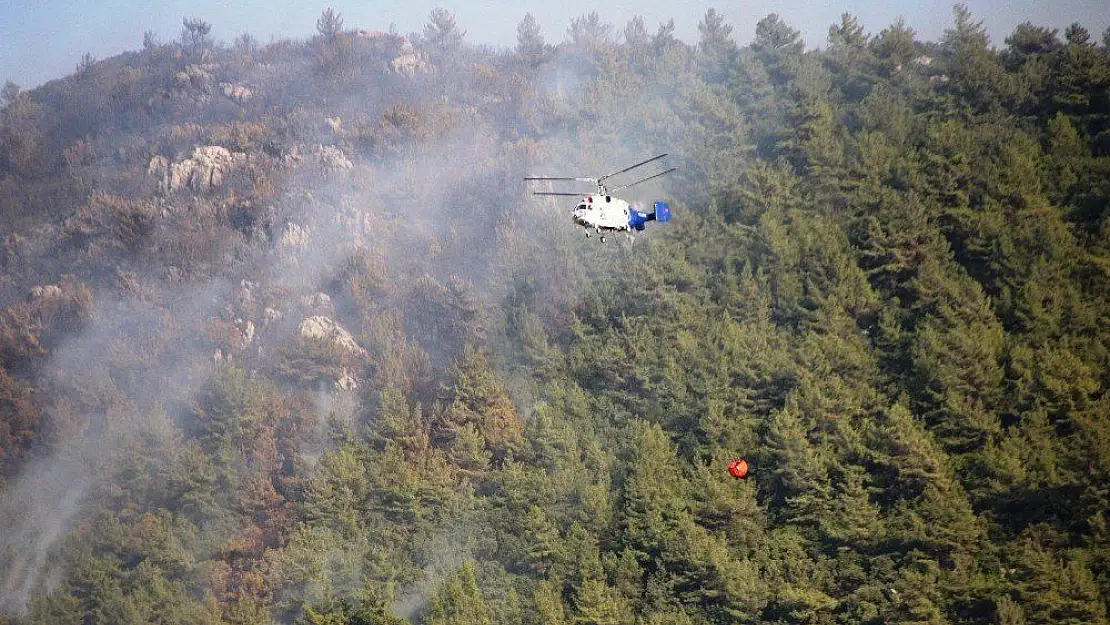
(596, 603)
(442, 35)
(1054, 587)
(548, 598)
(957, 355)
(476, 397)
(338, 493)
(894, 46)
(458, 601)
(801, 484)
(850, 58)
(529, 40)
(975, 72)
(1031, 57)
(716, 50)
(544, 541)
(653, 505)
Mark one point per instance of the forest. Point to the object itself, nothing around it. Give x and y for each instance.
(285, 338)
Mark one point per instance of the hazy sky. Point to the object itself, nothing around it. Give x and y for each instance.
(45, 39)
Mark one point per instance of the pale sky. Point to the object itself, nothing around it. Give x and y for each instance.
(41, 40)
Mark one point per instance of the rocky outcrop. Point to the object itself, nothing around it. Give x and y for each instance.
(406, 60)
(346, 382)
(325, 329)
(293, 236)
(409, 64)
(333, 158)
(159, 169)
(318, 304)
(244, 333)
(271, 315)
(205, 170)
(196, 77)
(46, 291)
(238, 93)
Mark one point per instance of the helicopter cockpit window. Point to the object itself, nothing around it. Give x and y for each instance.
(583, 206)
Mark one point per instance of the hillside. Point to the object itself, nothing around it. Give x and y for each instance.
(285, 339)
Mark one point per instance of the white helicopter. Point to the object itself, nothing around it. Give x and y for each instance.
(601, 212)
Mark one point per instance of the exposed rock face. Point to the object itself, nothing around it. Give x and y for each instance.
(46, 291)
(270, 315)
(245, 295)
(406, 60)
(245, 330)
(326, 329)
(205, 170)
(202, 172)
(409, 64)
(196, 77)
(239, 93)
(13, 249)
(318, 301)
(294, 236)
(346, 382)
(159, 169)
(333, 157)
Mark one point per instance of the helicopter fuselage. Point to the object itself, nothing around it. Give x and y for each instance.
(602, 213)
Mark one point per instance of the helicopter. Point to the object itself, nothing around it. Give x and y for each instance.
(600, 212)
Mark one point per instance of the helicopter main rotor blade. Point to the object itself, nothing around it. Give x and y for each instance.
(560, 178)
(556, 193)
(631, 167)
(632, 184)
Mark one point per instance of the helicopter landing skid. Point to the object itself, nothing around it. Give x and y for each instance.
(600, 234)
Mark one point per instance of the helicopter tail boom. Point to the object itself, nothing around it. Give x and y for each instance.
(638, 220)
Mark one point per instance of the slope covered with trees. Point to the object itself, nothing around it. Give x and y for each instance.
(284, 340)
